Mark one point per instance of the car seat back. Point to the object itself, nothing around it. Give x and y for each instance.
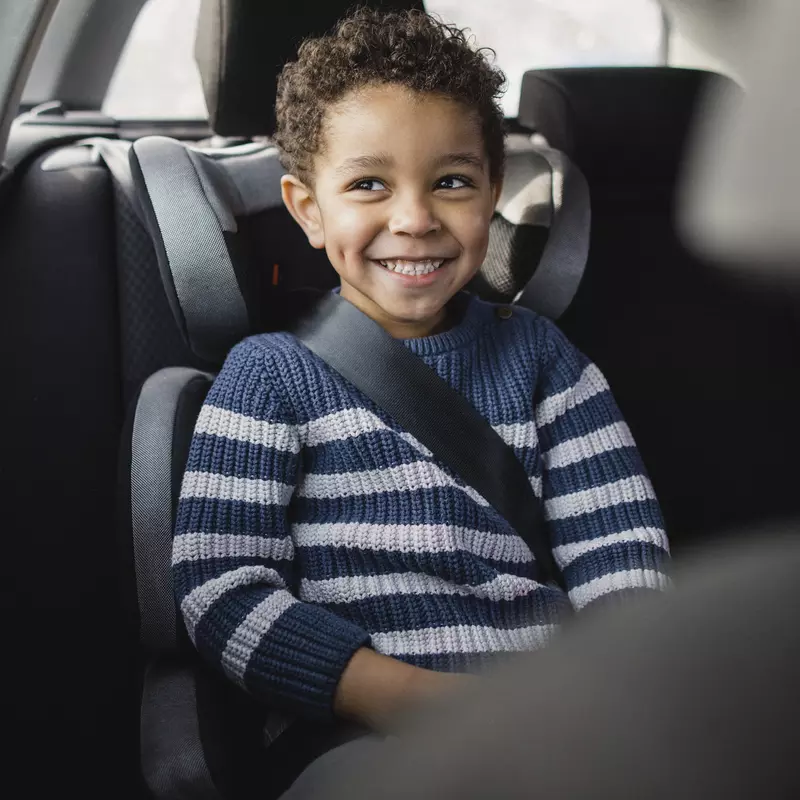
(702, 361)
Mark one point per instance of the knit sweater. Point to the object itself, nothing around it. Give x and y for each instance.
(310, 524)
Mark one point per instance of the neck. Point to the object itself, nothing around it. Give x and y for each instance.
(398, 328)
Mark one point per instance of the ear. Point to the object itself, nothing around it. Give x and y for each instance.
(300, 202)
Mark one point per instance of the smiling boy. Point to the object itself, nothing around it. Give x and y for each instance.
(323, 559)
(404, 214)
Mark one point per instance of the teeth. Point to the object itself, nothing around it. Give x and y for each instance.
(412, 267)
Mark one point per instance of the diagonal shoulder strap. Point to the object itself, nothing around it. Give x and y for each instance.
(429, 408)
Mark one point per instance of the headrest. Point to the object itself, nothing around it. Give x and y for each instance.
(233, 262)
(190, 203)
(616, 122)
(242, 45)
(539, 237)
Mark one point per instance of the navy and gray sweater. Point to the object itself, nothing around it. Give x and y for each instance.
(311, 525)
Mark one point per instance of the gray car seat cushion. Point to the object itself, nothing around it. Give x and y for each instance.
(153, 489)
(173, 760)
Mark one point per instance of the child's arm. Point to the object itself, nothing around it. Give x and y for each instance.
(601, 512)
(233, 554)
(375, 689)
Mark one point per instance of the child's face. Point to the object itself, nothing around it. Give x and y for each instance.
(400, 177)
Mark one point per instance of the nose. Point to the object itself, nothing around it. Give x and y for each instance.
(412, 215)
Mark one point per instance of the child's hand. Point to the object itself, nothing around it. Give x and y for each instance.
(375, 689)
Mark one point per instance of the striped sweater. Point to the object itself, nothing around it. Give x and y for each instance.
(310, 525)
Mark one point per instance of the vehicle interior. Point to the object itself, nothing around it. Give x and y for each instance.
(142, 235)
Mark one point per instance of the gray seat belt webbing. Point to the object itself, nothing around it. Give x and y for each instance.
(553, 285)
(186, 219)
(438, 416)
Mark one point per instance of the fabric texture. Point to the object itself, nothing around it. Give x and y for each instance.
(311, 525)
(511, 259)
(150, 336)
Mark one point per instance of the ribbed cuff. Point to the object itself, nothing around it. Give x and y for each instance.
(300, 662)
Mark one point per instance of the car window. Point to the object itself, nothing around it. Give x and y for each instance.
(157, 78)
(527, 34)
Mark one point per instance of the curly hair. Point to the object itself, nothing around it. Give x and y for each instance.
(371, 47)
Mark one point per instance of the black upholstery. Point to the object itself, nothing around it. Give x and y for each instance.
(85, 320)
(68, 666)
(702, 363)
(272, 238)
(242, 46)
(617, 121)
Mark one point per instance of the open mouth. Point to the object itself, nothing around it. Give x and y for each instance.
(422, 267)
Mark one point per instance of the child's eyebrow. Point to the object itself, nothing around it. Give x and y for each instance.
(460, 159)
(379, 160)
(365, 162)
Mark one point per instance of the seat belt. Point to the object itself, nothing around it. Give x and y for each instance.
(407, 389)
(556, 279)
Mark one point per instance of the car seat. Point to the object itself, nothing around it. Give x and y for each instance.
(205, 211)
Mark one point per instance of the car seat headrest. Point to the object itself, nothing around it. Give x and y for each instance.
(539, 237)
(616, 123)
(233, 262)
(242, 45)
(191, 202)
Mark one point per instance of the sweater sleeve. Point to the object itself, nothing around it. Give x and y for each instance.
(602, 515)
(233, 554)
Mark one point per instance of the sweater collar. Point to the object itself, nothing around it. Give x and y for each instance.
(469, 313)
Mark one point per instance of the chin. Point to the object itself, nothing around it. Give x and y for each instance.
(415, 311)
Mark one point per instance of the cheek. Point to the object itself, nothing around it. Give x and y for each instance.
(473, 230)
(351, 229)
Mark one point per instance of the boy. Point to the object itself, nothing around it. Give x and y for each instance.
(322, 558)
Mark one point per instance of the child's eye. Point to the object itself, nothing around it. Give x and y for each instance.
(368, 184)
(454, 182)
